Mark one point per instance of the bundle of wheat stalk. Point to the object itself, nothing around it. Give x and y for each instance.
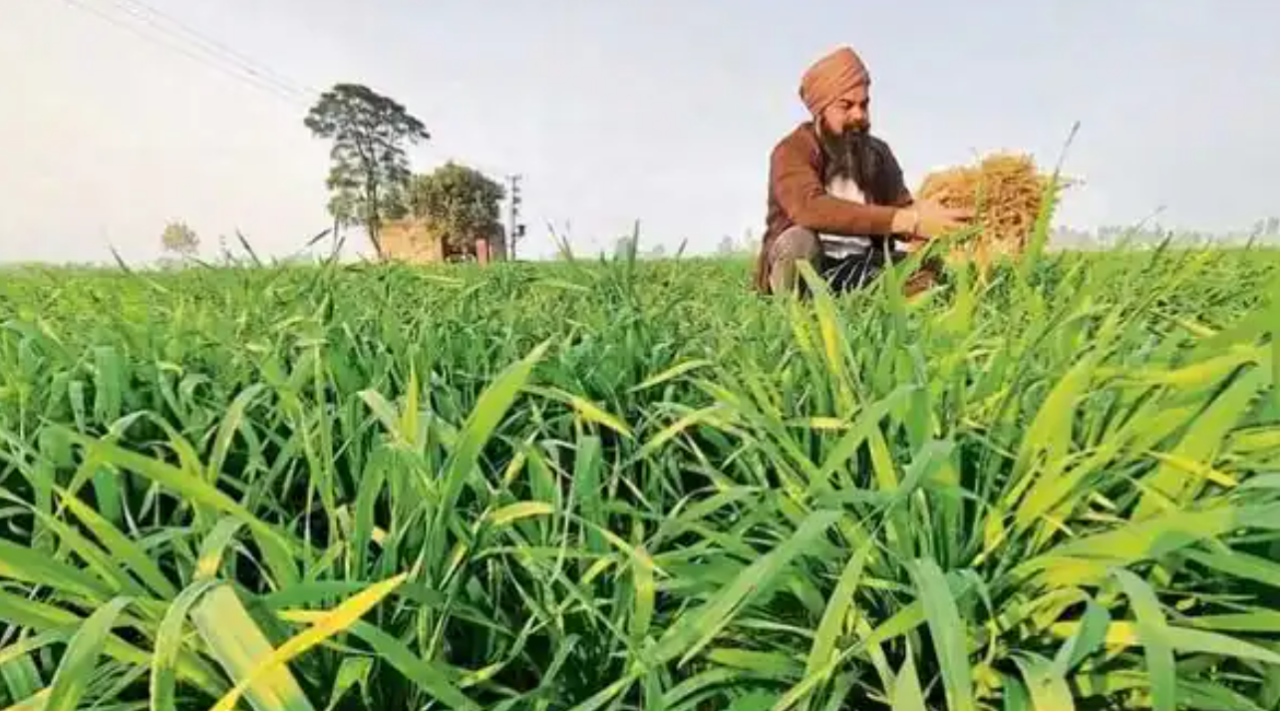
(1007, 192)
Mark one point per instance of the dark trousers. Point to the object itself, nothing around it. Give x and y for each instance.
(855, 271)
(842, 274)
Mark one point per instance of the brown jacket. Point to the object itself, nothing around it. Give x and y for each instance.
(798, 196)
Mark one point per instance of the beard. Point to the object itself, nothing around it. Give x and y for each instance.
(853, 153)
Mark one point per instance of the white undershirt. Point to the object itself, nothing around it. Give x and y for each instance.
(837, 246)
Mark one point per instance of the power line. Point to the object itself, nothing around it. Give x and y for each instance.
(149, 13)
(260, 80)
(211, 52)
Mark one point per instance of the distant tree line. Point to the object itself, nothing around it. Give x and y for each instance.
(1265, 231)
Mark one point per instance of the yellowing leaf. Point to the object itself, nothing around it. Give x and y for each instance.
(594, 413)
(240, 648)
(335, 622)
(524, 509)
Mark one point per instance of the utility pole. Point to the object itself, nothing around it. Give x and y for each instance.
(515, 230)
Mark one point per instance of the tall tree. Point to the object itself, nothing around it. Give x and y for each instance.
(370, 169)
(179, 239)
(465, 203)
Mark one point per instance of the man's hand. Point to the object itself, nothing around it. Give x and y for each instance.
(936, 220)
(927, 219)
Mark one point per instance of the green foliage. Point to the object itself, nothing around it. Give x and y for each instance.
(369, 172)
(393, 488)
(179, 239)
(462, 201)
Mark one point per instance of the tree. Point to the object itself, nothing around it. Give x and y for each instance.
(463, 202)
(179, 239)
(369, 171)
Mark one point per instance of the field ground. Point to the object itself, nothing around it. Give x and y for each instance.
(640, 486)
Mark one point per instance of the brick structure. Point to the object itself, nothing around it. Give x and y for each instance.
(412, 240)
(418, 241)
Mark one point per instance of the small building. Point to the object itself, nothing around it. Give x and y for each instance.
(411, 240)
(417, 240)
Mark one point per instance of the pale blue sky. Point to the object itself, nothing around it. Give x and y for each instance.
(656, 109)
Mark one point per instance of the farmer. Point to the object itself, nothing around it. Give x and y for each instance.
(836, 193)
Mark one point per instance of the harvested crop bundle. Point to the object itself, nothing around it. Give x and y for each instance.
(1007, 192)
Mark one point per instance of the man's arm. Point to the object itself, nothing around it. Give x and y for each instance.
(800, 192)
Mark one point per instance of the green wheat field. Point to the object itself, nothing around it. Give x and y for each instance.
(618, 484)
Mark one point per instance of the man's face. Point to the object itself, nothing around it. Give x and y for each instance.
(851, 112)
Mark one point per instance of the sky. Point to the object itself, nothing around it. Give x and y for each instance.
(662, 111)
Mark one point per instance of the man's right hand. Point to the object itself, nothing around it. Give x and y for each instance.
(932, 220)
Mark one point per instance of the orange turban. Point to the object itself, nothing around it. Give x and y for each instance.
(831, 77)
